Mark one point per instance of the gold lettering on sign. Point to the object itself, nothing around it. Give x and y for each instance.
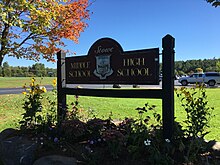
(79, 73)
(134, 62)
(80, 65)
(133, 72)
(101, 50)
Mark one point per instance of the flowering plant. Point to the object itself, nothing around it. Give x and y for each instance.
(32, 105)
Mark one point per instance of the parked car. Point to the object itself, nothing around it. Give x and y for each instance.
(210, 78)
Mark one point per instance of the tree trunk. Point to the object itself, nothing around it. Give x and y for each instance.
(4, 42)
(1, 59)
(2, 54)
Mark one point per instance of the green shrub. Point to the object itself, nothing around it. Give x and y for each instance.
(37, 116)
(198, 115)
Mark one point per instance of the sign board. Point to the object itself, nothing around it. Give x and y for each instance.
(107, 63)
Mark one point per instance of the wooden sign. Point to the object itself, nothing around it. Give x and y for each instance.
(107, 63)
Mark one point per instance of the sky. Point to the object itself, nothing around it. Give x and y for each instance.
(141, 24)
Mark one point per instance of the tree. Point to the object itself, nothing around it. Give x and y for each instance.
(38, 69)
(218, 66)
(6, 70)
(214, 3)
(34, 28)
(0, 71)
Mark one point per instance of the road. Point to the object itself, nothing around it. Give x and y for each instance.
(4, 91)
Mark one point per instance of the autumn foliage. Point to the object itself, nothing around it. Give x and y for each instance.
(34, 28)
(214, 3)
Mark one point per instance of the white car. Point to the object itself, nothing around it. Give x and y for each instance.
(210, 78)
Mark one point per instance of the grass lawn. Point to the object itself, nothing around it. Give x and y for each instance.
(11, 109)
(10, 82)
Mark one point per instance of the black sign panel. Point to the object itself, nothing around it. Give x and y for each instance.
(107, 63)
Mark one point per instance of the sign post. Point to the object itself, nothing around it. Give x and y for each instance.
(168, 85)
(61, 83)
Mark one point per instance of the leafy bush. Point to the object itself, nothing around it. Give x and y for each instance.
(35, 117)
(198, 114)
(32, 105)
(142, 138)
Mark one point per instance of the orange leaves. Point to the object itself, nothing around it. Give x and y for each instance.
(47, 50)
(71, 19)
(41, 25)
(67, 20)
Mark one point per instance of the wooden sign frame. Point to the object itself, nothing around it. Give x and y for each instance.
(166, 93)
